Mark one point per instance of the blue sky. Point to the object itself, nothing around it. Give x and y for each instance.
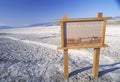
(26, 12)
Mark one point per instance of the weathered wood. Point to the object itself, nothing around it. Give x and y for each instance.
(62, 34)
(96, 62)
(65, 19)
(96, 54)
(78, 47)
(103, 32)
(83, 19)
(62, 31)
(66, 63)
(99, 15)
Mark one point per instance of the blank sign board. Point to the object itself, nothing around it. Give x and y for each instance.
(86, 33)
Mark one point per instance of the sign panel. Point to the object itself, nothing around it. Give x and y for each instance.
(83, 33)
(86, 33)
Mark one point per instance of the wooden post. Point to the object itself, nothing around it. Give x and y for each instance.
(63, 21)
(96, 55)
(66, 63)
(95, 68)
(103, 32)
(64, 17)
(99, 15)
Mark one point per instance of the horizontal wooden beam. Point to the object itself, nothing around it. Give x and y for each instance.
(78, 47)
(83, 19)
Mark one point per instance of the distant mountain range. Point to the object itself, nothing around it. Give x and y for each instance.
(114, 21)
(6, 27)
(33, 25)
(44, 24)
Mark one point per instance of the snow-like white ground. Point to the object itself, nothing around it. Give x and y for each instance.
(31, 55)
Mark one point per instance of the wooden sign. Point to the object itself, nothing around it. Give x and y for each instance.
(83, 33)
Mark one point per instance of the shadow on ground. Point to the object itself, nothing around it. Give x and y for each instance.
(101, 73)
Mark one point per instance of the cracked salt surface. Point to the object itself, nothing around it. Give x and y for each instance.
(34, 58)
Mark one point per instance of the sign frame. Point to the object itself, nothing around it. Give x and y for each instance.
(65, 19)
(99, 17)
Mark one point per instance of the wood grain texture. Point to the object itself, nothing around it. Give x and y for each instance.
(65, 19)
(83, 19)
(103, 31)
(79, 47)
(95, 68)
(66, 63)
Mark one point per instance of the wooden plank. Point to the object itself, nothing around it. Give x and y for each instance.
(83, 19)
(62, 34)
(96, 62)
(96, 54)
(62, 30)
(96, 47)
(64, 17)
(99, 15)
(103, 32)
(79, 47)
(66, 63)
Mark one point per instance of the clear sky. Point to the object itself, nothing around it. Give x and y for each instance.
(26, 12)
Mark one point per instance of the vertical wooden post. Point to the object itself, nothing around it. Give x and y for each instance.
(62, 31)
(99, 15)
(96, 55)
(103, 32)
(95, 68)
(65, 50)
(66, 63)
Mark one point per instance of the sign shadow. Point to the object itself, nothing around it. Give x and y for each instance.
(101, 73)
